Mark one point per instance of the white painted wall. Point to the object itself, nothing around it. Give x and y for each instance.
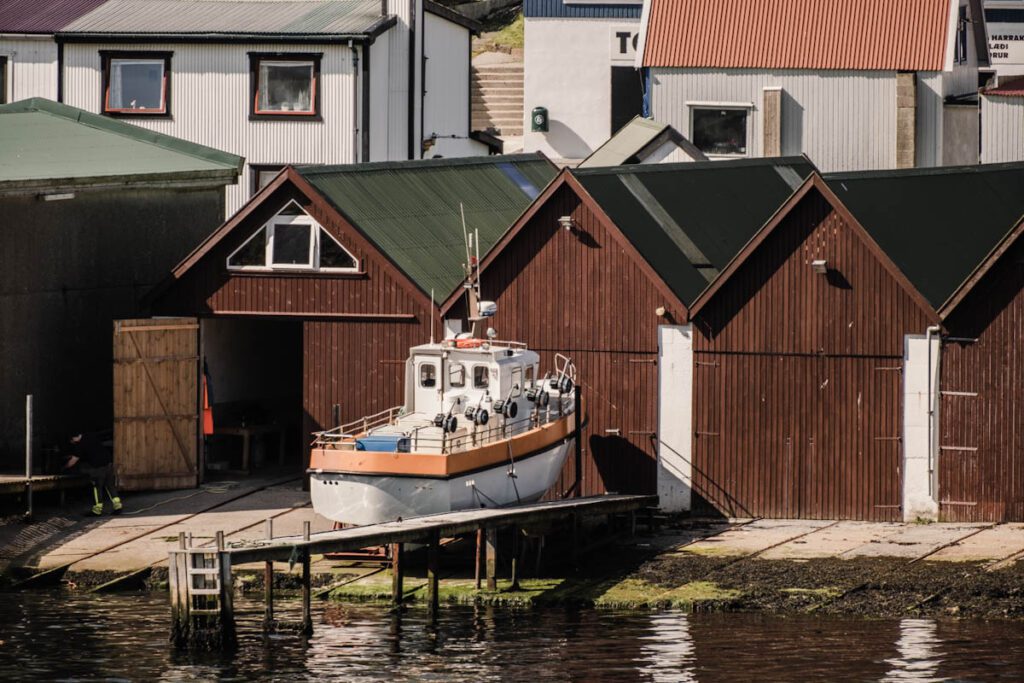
(382, 126)
(1002, 129)
(1006, 40)
(928, 138)
(843, 120)
(210, 104)
(675, 417)
(31, 67)
(567, 68)
(446, 100)
(919, 394)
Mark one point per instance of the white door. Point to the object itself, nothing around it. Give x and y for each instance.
(427, 375)
(675, 416)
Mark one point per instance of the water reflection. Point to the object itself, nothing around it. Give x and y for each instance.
(47, 636)
(919, 655)
(669, 649)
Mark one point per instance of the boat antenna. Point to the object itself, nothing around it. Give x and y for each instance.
(472, 284)
(431, 315)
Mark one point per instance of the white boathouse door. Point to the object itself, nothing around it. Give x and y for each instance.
(428, 385)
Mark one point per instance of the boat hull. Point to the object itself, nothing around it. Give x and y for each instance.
(360, 499)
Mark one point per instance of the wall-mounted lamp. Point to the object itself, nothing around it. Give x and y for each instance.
(57, 196)
(819, 266)
(660, 311)
(568, 223)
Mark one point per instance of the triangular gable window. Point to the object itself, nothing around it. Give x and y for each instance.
(292, 241)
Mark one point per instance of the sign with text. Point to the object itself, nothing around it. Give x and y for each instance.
(1006, 43)
(623, 42)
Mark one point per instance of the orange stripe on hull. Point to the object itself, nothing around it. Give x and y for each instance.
(438, 465)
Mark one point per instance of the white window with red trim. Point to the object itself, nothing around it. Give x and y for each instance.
(136, 83)
(292, 241)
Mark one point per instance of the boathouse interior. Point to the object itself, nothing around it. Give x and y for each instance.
(254, 375)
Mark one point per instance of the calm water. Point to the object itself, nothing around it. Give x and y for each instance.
(60, 637)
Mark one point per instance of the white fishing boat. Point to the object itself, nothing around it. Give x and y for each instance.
(480, 427)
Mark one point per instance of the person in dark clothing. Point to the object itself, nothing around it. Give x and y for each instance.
(94, 459)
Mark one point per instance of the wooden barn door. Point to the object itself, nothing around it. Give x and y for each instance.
(156, 406)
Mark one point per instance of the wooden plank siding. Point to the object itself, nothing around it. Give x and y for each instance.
(583, 294)
(797, 405)
(981, 414)
(357, 328)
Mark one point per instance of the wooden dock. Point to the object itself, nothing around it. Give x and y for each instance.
(201, 583)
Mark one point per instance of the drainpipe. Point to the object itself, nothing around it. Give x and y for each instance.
(355, 102)
(929, 331)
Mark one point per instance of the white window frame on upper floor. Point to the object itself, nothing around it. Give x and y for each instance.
(747, 107)
(266, 231)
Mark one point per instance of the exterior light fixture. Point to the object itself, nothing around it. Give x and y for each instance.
(57, 196)
(660, 311)
(568, 223)
(819, 266)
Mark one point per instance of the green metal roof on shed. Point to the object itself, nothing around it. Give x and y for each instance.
(410, 209)
(937, 225)
(44, 144)
(689, 220)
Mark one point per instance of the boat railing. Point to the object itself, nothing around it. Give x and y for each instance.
(360, 426)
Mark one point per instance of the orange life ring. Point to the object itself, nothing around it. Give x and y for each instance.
(468, 343)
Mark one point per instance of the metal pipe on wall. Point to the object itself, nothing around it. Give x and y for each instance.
(28, 456)
(929, 331)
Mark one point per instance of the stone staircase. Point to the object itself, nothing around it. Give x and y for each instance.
(497, 94)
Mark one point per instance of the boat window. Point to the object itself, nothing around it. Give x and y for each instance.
(428, 375)
(456, 375)
(480, 377)
(517, 382)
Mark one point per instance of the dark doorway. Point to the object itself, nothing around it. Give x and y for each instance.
(254, 369)
(627, 96)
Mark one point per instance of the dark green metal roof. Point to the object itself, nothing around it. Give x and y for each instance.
(410, 209)
(689, 220)
(44, 143)
(937, 225)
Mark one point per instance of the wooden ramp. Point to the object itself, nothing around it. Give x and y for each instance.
(201, 583)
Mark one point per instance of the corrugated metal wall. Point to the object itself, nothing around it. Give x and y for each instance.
(31, 68)
(210, 87)
(582, 295)
(356, 362)
(1002, 129)
(843, 120)
(446, 100)
(981, 415)
(797, 378)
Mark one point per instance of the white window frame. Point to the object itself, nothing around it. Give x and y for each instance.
(748, 107)
(311, 266)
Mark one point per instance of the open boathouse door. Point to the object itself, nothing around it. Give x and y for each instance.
(156, 403)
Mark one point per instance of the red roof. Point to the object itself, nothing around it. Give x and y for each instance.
(799, 34)
(42, 16)
(1014, 88)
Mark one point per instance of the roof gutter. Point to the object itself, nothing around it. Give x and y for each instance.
(192, 180)
(26, 36)
(366, 37)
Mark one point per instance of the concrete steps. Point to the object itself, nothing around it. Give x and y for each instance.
(497, 97)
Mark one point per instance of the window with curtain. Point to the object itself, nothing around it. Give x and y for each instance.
(285, 85)
(136, 84)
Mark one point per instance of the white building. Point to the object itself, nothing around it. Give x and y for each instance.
(279, 83)
(854, 84)
(578, 65)
(1002, 122)
(1004, 20)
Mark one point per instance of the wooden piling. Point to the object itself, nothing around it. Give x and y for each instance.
(492, 559)
(478, 570)
(397, 573)
(307, 614)
(433, 583)
(268, 582)
(515, 558)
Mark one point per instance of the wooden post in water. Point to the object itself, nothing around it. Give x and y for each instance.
(478, 571)
(492, 559)
(268, 582)
(397, 572)
(515, 559)
(307, 614)
(433, 583)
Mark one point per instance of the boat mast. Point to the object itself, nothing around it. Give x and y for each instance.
(472, 282)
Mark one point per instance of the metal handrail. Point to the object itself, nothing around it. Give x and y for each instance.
(364, 424)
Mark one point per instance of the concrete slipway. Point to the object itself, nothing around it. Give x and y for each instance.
(143, 536)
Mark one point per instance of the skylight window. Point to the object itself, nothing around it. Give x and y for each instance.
(292, 241)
